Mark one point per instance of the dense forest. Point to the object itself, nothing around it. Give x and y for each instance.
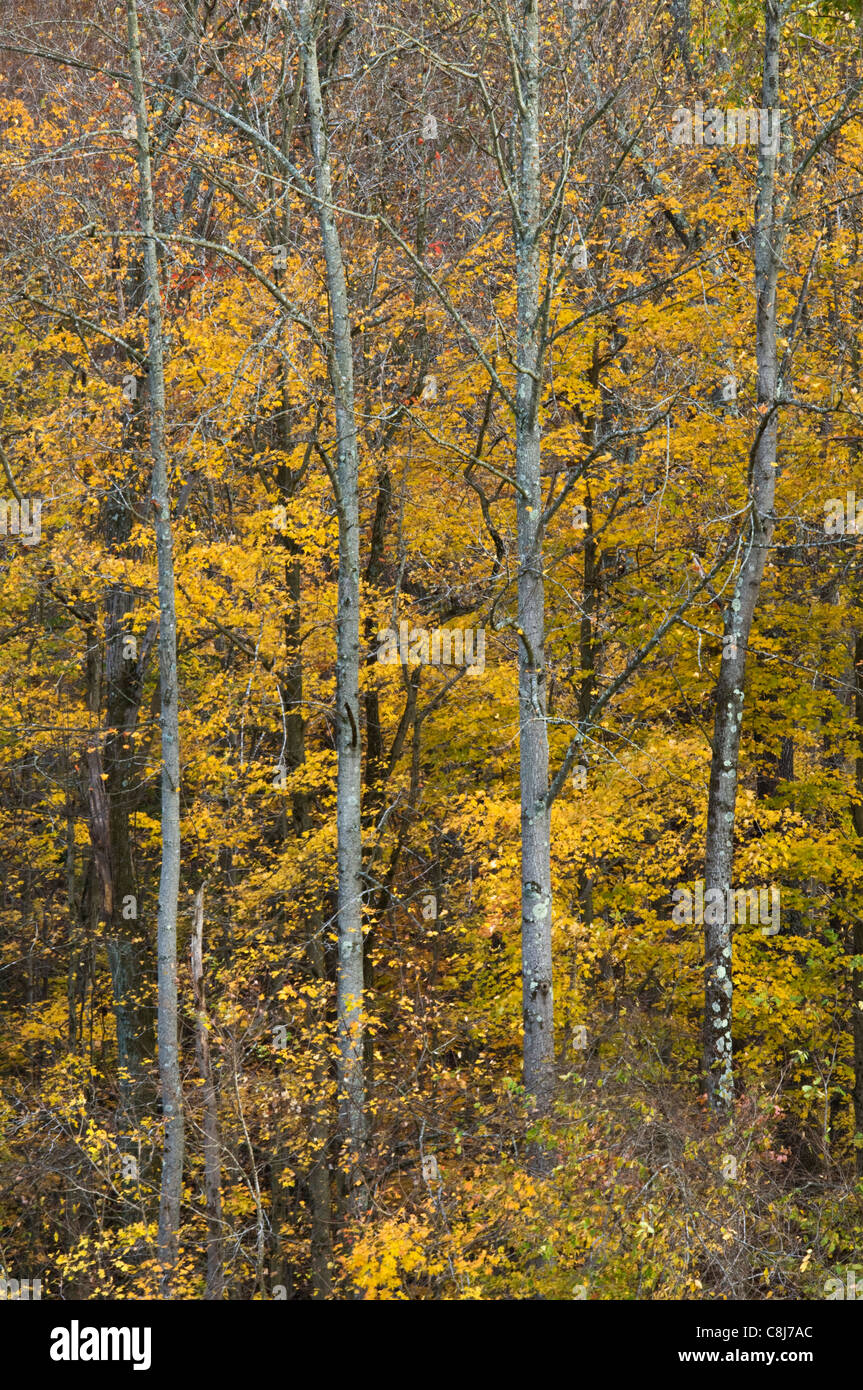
(431, 649)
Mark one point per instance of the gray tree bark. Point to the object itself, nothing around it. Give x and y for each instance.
(537, 994)
(169, 880)
(722, 793)
(349, 783)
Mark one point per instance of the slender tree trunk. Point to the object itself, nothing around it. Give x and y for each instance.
(682, 21)
(321, 1252)
(113, 766)
(212, 1152)
(129, 946)
(722, 794)
(349, 783)
(537, 997)
(169, 881)
(857, 930)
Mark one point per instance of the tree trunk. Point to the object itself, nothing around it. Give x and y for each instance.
(857, 930)
(291, 687)
(212, 1156)
(114, 771)
(722, 794)
(537, 997)
(681, 23)
(349, 832)
(169, 881)
(321, 1253)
